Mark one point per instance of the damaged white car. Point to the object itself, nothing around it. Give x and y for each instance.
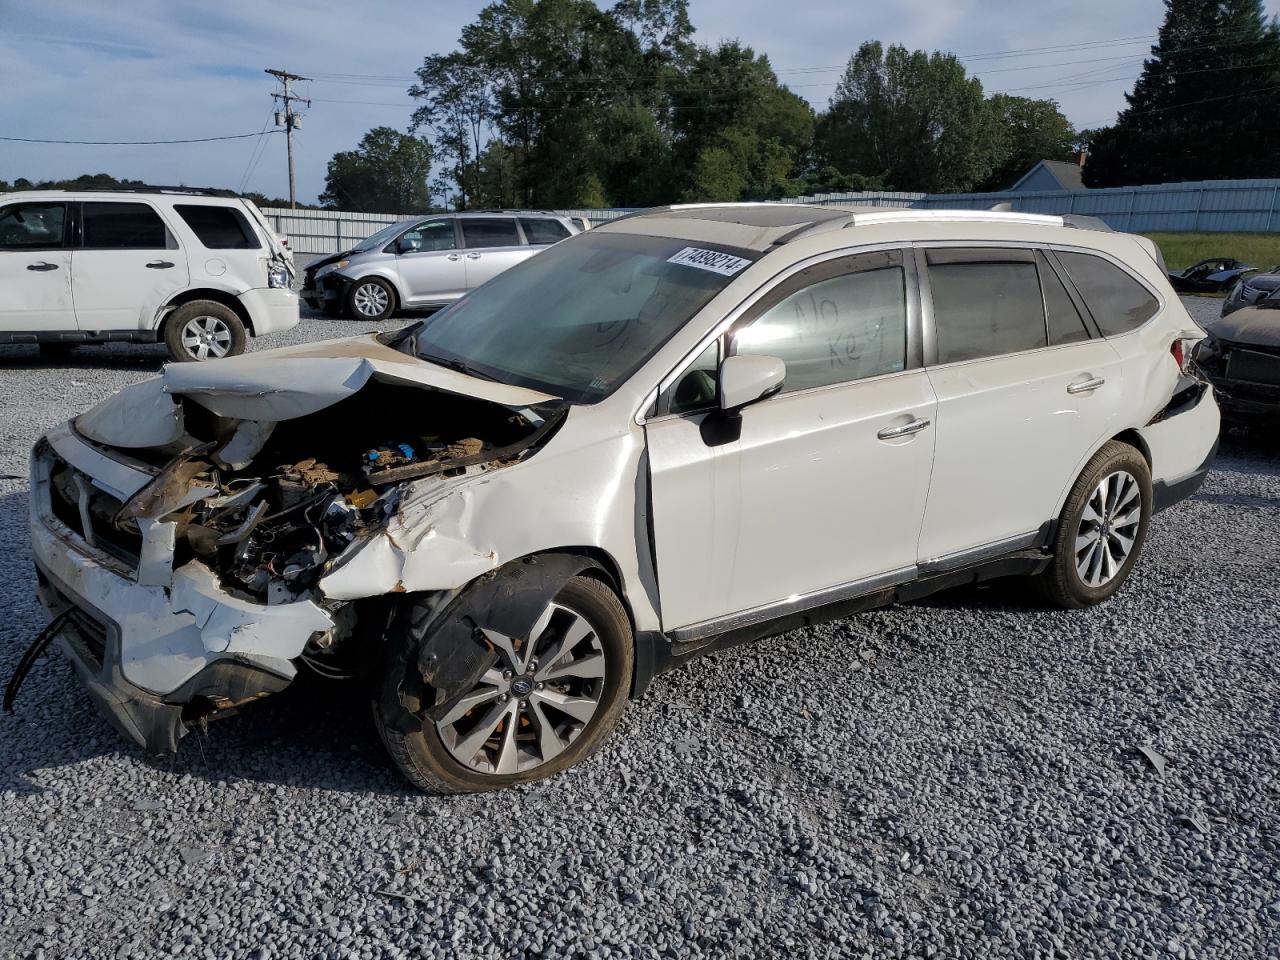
(683, 429)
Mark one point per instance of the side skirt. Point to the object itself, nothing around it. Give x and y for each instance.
(656, 652)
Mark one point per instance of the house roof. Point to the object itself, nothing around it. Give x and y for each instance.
(1070, 176)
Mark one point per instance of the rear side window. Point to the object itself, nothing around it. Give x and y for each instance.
(986, 303)
(835, 329)
(123, 226)
(32, 226)
(218, 228)
(1065, 323)
(490, 233)
(539, 230)
(1118, 302)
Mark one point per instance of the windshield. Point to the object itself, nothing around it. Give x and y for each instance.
(581, 317)
(381, 238)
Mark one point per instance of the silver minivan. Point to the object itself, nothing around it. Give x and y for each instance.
(428, 261)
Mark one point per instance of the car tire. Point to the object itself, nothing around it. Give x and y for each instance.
(428, 755)
(1101, 530)
(371, 298)
(203, 330)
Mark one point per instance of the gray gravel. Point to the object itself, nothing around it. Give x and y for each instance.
(960, 777)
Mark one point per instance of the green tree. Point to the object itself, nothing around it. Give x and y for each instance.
(1026, 131)
(913, 118)
(387, 173)
(1204, 106)
(457, 105)
(738, 134)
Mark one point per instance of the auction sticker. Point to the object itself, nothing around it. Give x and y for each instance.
(725, 264)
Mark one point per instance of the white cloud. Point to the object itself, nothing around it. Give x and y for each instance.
(152, 69)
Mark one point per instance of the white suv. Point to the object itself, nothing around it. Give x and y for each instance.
(197, 269)
(683, 429)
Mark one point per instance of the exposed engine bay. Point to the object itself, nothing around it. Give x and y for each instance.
(269, 506)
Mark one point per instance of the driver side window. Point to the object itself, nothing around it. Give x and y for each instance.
(432, 235)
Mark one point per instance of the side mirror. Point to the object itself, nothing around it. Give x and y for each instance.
(405, 245)
(745, 380)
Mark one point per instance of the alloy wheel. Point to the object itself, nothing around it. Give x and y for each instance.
(370, 300)
(205, 337)
(1108, 528)
(536, 701)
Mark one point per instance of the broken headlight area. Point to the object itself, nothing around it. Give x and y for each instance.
(268, 507)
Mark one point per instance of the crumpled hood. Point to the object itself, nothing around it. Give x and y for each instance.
(276, 385)
(1259, 326)
(315, 265)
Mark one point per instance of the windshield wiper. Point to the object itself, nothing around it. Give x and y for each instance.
(455, 364)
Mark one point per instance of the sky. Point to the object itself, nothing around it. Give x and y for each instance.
(173, 69)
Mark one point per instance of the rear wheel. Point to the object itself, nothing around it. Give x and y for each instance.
(204, 330)
(550, 701)
(1101, 530)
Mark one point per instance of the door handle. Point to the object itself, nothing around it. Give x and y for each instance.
(42, 267)
(906, 430)
(1085, 386)
(473, 256)
(454, 256)
(159, 265)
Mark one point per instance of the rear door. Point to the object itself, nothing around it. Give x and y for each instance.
(35, 268)
(492, 244)
(126, 265)
(433, 270)
(1026, 391)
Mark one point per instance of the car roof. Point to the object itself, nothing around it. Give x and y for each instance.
(176, 194)
(762, 226)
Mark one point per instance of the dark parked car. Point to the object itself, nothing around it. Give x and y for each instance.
(1210, 276)
(1241, 358)
(1252, 289)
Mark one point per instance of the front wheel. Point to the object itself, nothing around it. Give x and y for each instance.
(551, 699)
(1101, 530)
(371, 299)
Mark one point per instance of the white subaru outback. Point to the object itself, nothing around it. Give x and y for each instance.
(199, 270)
(688, 428)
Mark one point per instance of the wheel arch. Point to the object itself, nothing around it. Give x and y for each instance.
(1129, 435)
(224, 297)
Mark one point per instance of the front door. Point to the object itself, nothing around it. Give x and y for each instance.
(35, 268)
(492, 245)
(126, 266)
(823, 489)
(433, 270)
(1025, 394)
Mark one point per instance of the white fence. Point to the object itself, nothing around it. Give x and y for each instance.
(1228, 206)
(332, 231)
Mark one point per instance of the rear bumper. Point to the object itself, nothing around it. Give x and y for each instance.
(271, 309)
(1165, 493)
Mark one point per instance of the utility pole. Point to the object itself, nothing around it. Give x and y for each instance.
(290, 120)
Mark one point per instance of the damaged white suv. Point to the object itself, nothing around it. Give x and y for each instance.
(684, 429)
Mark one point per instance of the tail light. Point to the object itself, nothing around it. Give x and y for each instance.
(1181, 350)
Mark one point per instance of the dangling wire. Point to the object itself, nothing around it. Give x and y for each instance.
(29, 658)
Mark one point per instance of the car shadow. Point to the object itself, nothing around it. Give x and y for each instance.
(141, 357)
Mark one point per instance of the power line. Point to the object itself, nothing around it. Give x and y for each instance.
(136, 143)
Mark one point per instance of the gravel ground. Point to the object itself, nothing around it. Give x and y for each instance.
(959, 777)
